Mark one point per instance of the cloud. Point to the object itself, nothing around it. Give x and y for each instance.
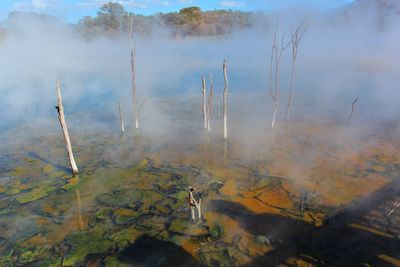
(232, 4)
(37, 5)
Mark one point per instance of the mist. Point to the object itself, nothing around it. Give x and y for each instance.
(254, 182)
(339, 59)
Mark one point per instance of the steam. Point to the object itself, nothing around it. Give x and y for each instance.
(340, 57)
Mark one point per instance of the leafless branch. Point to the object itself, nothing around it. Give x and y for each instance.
(352, 109)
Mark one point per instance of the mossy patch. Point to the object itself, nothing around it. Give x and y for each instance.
(187, 228)
(122, 216)
(36, 193)
(84, 244)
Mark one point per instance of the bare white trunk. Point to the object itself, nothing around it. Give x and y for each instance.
(204, 101)
(291, 92)
(198, 207)
(61, 118)
(209, 104)
(225, 102)
(192, 211)
(121, 118)
(277, 50)
(194, 205)
(274, 114)
(133, 75)
(295, 41)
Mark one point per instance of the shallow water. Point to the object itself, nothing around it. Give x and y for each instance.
(290, 196)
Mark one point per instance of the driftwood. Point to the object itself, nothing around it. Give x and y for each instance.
(225, 101)
(353, 107)
(121, 118)
(61, 118)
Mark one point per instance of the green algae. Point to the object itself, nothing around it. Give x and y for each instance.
(72, 184)
(31, 255)
(4, 211)
(125, 237)
(37, 193)
(6, 260)
(124, 216)
(84, 244)
(217, 231)
(48, 169)
(185, 227)
(181, 198)
(112, 261)
(104, 214)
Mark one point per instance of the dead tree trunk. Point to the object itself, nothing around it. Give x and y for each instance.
(295, 41)
(204, 101)
(277, 52)
(61, 118)
(353, 105)
(225, 101)
(209, 104)
(121, 118)
(133, 74)
(194, 205)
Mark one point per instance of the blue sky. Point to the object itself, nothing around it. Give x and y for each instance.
(73, 10)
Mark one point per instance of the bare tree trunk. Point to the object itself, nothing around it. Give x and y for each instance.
(121, 118)
(295, 41)
(352, 109)
(61, 118)
(273, 55)
(194, 205)
(133, 74)
(291, 92)
(209, 109)
(204, 101)
(279, 49)
(225, 101)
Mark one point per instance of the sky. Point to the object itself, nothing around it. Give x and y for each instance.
(73, 10)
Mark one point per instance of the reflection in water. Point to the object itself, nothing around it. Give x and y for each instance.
(78, 200)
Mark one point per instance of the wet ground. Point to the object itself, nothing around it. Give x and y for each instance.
(304, 194)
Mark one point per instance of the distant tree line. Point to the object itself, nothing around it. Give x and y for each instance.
(112, 20)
